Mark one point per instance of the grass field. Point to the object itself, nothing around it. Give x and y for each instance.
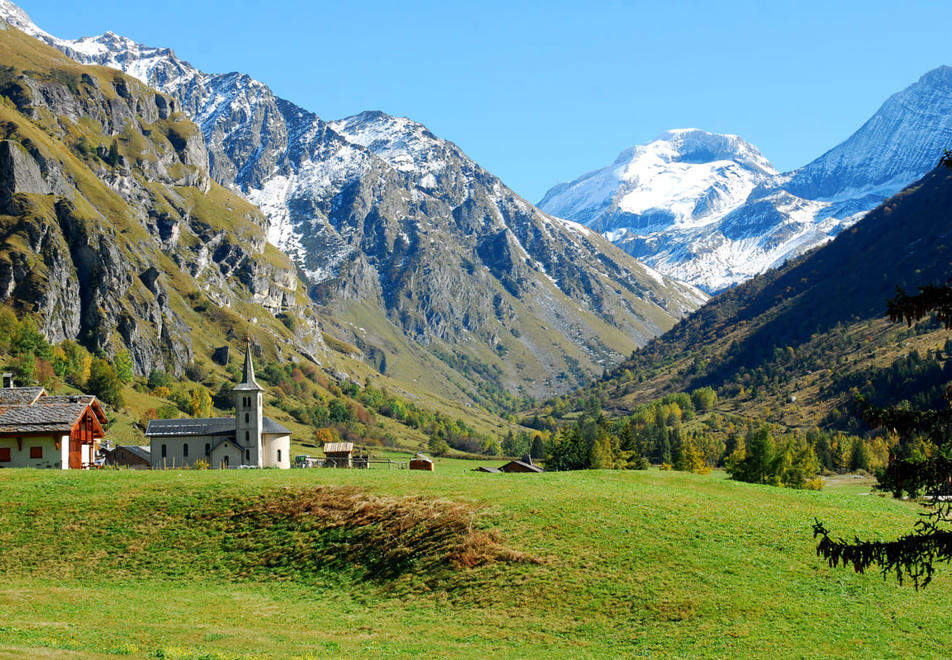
(191, 564)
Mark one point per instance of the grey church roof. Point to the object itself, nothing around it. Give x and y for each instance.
(206, 426)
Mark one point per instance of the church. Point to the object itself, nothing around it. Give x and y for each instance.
(249, 439)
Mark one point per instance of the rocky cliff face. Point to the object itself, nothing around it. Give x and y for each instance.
(395, 227)
(113, 230)
(719, 214)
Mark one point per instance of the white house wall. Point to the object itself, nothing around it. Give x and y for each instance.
(53, 457)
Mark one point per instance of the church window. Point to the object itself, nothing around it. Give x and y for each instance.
(208, 448)
(247, 454)
(247, 437)
(246, 418)
(164, 451)
(185, 450)
(279, 456)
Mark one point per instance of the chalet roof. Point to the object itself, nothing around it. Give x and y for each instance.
(59, 417)
(338, 447)
(86, 399)
(483, 468)
(206, 426)
(20, 396)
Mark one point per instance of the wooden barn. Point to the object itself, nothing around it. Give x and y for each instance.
(41, 431)
(525, 465)
(130, 456)
(339, 454)
(421, 462)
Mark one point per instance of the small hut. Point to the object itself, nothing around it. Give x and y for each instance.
(525, 465)
(421, 462)
(339, 454)
(130, 456)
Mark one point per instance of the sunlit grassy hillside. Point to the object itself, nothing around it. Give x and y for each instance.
(368, 563)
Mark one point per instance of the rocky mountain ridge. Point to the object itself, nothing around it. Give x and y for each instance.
(716, 221)
(113, 229)
(400, 235)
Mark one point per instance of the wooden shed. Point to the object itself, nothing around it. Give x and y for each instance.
(521, 466)
(421, 462)
(339, 454)
(130, 456)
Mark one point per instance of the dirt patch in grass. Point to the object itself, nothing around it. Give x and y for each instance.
(299, 534)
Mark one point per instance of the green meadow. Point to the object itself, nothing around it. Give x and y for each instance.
(378, 563)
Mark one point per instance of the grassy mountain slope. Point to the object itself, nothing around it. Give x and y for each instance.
(584, 564)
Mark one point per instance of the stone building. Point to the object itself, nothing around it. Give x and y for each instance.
(249, 439)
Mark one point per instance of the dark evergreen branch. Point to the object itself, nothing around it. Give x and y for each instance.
(930, 299)
(913, 555)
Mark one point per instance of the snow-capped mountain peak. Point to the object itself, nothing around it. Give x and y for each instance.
(683, 178)
(711, 210)
(406, 145)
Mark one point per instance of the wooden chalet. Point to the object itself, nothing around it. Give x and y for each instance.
(42, 431)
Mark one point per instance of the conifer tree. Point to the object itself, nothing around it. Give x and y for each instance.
(913, 555)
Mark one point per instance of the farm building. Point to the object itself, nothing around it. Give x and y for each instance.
(247, 439)
(42, 431)
(421, 462)
(130, 456)
(525, 465)
(339, 454)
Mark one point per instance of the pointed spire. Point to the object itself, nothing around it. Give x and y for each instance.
(249, 382)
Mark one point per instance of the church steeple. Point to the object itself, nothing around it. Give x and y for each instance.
(248, 379)
(249, 418)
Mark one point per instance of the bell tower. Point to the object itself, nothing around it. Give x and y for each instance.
(248, 414)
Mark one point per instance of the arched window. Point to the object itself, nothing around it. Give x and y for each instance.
(185, 450)
(247, 437)
(247, 454)
(208, 448)
(163, 451)
(279, 456)
(246, 418)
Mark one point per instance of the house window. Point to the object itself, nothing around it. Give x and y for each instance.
(4, 454)
(36, 452)
(185, 450)
(164, 452)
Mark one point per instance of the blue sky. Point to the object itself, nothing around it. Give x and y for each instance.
(542, 92)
